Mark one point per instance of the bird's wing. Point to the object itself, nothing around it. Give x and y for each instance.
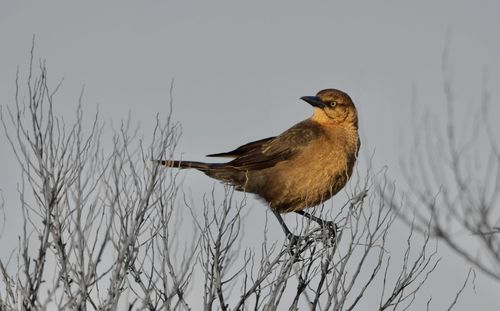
(273, 150)
(242, 149)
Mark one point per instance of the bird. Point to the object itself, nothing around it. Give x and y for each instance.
(302, 167)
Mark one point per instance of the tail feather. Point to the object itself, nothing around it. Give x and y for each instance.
(185, 164)
(219, 171)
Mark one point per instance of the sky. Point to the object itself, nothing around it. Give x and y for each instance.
(239, 69)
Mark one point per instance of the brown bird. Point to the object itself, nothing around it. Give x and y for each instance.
(300, 168)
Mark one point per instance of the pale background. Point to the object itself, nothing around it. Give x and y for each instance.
(240, 68)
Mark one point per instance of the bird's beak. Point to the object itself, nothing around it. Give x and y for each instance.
(313, 101)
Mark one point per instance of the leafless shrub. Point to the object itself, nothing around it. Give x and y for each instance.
(323, 276)
(453, 174)
(101, 228)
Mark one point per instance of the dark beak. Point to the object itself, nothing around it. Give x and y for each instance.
(314, 101)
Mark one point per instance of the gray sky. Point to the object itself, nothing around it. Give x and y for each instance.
(240, 67)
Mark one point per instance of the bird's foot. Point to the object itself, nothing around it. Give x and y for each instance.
(298, 244)
(327, 231)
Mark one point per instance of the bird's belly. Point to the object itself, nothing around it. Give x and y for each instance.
(304, 182)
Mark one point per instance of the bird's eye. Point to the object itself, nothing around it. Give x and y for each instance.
(333, 104)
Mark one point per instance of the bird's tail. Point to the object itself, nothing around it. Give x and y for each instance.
(186, 164)
(219, 171)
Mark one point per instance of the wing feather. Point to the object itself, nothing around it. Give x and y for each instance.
(241, 150)
(268, 152)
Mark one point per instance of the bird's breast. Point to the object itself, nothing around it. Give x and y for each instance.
(314, 175)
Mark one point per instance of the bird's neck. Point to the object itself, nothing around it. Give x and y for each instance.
(347, 119)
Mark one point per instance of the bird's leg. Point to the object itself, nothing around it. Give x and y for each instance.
(294, 239)
(331, 226)
(287, 231)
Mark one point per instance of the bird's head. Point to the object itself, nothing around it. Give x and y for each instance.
(332, 106)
